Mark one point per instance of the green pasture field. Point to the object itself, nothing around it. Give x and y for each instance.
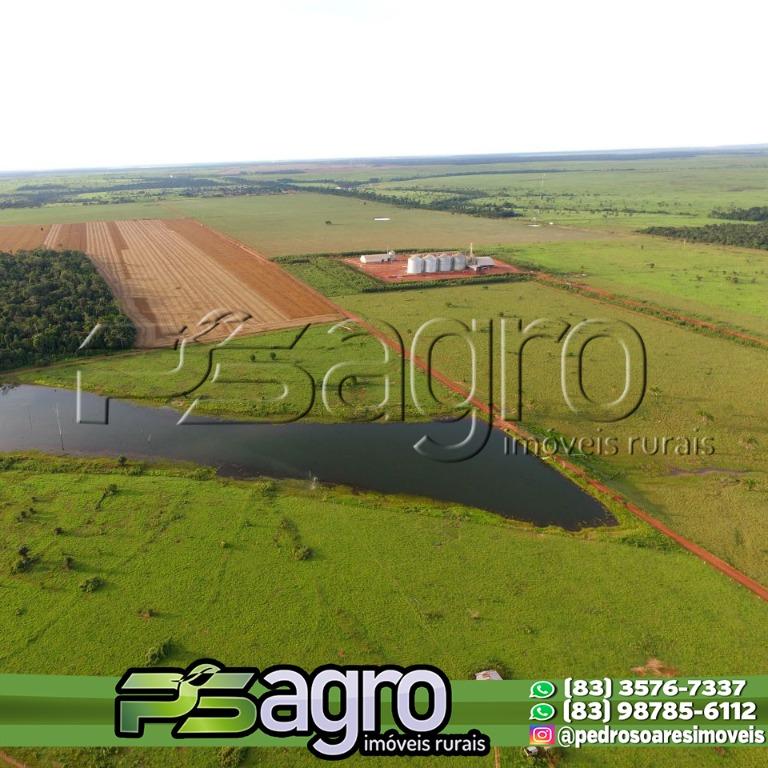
(246, 385)
(614, 194)
(610, 193)
(331, 276)
(76, 214)
(697, 386)
(279, 225)
(192, 566)
(727, 285)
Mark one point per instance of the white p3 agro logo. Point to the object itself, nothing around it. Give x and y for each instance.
(338, 708)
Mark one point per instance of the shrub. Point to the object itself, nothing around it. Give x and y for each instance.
(92, 584)
(231, 757)
(24, 562)
(265, 486)
(288, 536)
(109, 491)
(157, 652)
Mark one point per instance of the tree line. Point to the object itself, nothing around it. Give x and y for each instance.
(755, 213)
(742, 235)
(49, 302)
(466, 203)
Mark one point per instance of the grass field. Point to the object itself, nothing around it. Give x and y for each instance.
(245, 386)
(75, 214)
(329, 275)
(613, 194)
(696, 386)
(489, 592)
(728, 285)
(295, 223)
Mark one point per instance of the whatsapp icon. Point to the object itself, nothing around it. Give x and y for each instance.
(543, 689)
(542, 712)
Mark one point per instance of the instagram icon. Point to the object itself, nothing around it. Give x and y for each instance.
(542, 735)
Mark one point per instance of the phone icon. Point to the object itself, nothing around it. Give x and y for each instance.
(543, 689)
(543, 712)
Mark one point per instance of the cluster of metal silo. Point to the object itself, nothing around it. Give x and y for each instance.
(436, 262)
(430, 263)
(415, 265)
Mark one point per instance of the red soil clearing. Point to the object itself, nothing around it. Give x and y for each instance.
(394, 271)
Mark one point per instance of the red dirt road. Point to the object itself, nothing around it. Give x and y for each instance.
(12, 761)
(572, 469)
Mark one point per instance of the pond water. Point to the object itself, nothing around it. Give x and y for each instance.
(372, 456)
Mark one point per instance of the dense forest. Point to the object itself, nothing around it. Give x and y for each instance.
(744, 235)
(49, 302)
(756, 213)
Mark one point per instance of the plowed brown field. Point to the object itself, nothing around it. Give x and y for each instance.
(22, 238)
(169, 275)
(67, 237)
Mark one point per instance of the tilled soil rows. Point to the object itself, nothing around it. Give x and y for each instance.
(168, 276)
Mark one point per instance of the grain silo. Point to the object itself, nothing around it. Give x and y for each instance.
(430, 263)
(444, 262)
(459, 262)
(415, 265)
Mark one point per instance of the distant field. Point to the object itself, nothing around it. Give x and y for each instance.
(73, 214)
(295, 223)
(612, 193)
(603, 194)
(729, 285)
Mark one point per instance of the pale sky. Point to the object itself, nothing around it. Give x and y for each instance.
(110, 83)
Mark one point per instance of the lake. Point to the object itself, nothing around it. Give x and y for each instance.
(372, 456)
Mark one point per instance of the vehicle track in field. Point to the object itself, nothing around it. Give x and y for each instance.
(603, 296)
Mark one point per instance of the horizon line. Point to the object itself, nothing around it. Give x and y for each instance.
(394, 159)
